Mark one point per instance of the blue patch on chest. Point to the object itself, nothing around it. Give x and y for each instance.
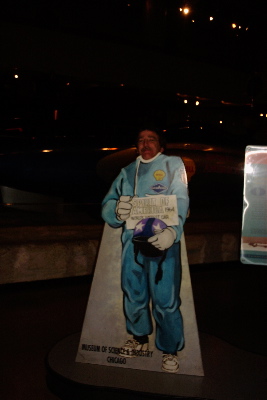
(159, 188)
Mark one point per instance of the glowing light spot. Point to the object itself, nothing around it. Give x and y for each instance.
(185, 101)
(233, 26)
(186, 11)
(16, 76)
(249, 169)
(211, 18)
(197, 103)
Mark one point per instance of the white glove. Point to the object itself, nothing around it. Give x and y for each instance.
(123, 208)
(163, 239)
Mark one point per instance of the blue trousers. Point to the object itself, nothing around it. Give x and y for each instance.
(139, 287)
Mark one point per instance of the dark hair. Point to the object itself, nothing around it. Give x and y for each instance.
(159, 132)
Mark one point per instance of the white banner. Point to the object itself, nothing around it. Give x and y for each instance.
(159, 206)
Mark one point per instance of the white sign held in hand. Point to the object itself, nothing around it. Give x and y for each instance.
(158, 206)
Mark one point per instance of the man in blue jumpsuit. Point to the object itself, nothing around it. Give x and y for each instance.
(152, 173)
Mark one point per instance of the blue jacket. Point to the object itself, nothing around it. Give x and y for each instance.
(164, 175)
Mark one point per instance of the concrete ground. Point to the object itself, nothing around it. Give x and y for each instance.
(230, 302)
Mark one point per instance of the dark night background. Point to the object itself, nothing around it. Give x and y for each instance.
(147, 49)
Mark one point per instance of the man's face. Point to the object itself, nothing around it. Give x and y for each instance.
(148, 144)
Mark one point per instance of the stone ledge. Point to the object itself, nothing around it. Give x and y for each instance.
(51, 252)
(40, 261)
(48, 234)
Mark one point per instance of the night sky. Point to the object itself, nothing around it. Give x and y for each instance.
(147, 44)
(159, 24)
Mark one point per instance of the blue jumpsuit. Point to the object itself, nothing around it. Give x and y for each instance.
(163, 175)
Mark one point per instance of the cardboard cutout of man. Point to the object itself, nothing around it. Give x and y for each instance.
(150, 277)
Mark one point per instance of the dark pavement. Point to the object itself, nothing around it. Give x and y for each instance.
(230, 302)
